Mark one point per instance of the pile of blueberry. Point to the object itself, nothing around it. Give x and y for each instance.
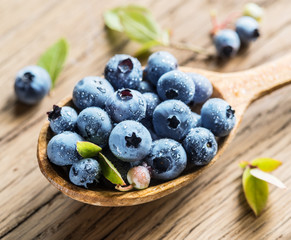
(141, 120)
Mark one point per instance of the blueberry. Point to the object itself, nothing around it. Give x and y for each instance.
(84, 172)
(217, 116)
(145, 86)
(130, 141)
(167, 159)
(171, 119)
(176, 85)
(62, 119)
(200, 145)
(152, 101)
(62, 148)
(247, 29)
(203, 87)
(123, 71)
(94, 125)
(195, 120)
(91, 92)
(32, 83)
(158, 64)
(227, 43)
(126, 104)
(147, 122)
(139, 177)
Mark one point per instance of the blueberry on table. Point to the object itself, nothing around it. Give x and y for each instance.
(227, 43)
(218, 116)
(32, 83)
(152, 101)
(167, 159)
(176, 85)
(203, 87)
(171, 119)
(130, 141)
(84, 172)
(247, 29)
(62, 119)
(91, 92)
(158, 64)
(95, 125)
(200, 145)
(62, 148)
(123, 71)
(126, 104)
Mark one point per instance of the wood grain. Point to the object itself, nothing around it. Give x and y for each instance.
(213, 206)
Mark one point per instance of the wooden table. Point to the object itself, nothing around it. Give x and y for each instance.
(213, 207)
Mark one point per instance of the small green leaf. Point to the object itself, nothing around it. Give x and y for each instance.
(243, 164)
(266, 164)
(109, 171)
(256, 191)
(88, 149)
(146, 47)
(54, 58)
(139, 27)
(112, 21)
(267, 177)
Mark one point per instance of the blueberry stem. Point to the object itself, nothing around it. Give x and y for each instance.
(124, 188)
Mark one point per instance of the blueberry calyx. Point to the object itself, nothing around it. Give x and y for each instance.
(172, 93)
(125, 94)
(230, 112)
(125, 65)
(75, 171)
(209, 144)
(227, 51)
(55, 113)
(132, 141)
(161, 164)
(256, 33)
(27, 77)
(173, 122)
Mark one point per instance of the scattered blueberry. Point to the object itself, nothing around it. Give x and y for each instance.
(62, 148)
(152, 101)
(62, 119)
(91, 92)
(123, 71)
(203, 87)
(167, 159)
(139, 177)
(227, 43)
(217, 116)
(158, 64)
(84, 172)
(200, 145)
(171, 119)
(32, 83)
(94, 125)
(176, 85)
(130, 141)
(247, 29)
(126, 104)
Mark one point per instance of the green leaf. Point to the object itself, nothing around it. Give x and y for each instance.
(112, 21)
(266, 164)
(88, 149)
(54, 58)
(267, 177)
(256, 191)
(146, 47)
(139, 27)
(243, 164)
(109, 171)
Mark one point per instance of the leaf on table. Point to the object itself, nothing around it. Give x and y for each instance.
(267, 177)
(109, 171)
(266, 164)
(54, 59)
(88, 149)
(256, 191)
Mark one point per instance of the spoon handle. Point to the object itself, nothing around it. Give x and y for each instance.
(242, 88)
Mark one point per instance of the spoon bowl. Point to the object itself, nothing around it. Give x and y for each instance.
(239, 89)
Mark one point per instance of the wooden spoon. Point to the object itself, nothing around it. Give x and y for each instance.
(239, 89)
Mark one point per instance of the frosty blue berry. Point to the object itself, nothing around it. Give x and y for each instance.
(32, 84)
(247, 29)
(152, 101)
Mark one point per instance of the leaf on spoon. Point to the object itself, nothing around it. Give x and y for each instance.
(88, 149)
(266, 164)
(109, 171)
(54, 58)
(267, 177)
(256, 191)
